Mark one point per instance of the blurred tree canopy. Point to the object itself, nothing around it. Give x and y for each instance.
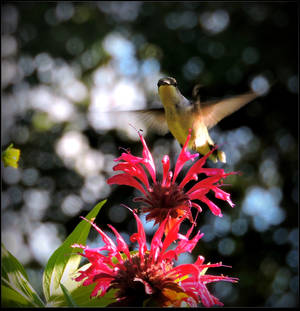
(64, 64)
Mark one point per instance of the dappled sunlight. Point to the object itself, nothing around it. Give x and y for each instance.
(260, 85)
(263, 206)
(58, 109)
(236, 143)
(72, 205)
(215, 22)
(36, 203)
(72, 145)
(44, 239)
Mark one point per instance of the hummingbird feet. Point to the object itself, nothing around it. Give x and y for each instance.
(217, 154)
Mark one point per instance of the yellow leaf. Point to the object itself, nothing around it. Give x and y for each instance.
(11, 156)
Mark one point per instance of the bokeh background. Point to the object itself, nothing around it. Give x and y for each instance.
(65, 64)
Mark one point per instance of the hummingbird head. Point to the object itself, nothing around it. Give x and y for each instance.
(167, 81)
(169, 93)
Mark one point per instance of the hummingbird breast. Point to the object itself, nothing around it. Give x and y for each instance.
(179, 123)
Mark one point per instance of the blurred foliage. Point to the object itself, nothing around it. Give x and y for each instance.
(56, 56)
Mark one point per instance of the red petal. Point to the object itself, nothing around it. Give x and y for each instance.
(196, 168)
(166, 166)
(127, 157)
(198, 194)
(206, 279)
(220, 194)
(169, 179)
(184, 270)
(188, 245)
(212, 206)
(206, 297)
(135, 170)
(206, 183)
(126, 179)
(101, 285)
(110, 245)
(140, 237)
(183, 157)
(197, 206)
(148, 160)
(199, 260)
(156, 243)
(172, 235)
(122, 246)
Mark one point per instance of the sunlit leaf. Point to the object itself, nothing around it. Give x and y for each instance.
(11, 298)
(81, 296)
(65, 261)
(16, 289)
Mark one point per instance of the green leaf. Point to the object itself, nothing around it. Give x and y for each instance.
(10, 264)
(16, 289)
(11, 298)
(81, 294)
(68, 296)
(82, 297)
(64, 261)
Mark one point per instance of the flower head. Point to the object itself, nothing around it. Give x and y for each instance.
(148, 277)
(168, 196)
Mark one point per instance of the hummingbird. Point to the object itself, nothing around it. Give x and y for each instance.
(179, 114)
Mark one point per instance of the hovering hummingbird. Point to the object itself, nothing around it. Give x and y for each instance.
(179, 114)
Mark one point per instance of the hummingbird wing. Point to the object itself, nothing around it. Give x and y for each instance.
(215, 111)
(154, 119)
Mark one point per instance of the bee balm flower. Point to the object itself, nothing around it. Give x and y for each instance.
(169, 197)
(148, 277)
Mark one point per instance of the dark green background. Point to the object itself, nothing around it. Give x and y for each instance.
(171, 35)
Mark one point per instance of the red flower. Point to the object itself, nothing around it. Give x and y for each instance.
(148, 277)
(168, 197)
